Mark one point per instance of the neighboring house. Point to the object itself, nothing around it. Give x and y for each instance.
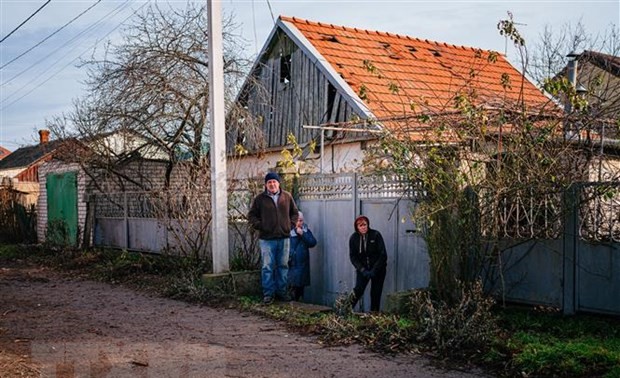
(81, 168)
(4, 152)
(23, 164)
(597, 79)
(123, 144)
(598, 75)
(316, 74)
(21, 167)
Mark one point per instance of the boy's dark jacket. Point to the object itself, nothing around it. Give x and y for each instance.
(374, 259)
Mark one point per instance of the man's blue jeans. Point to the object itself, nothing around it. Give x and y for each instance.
(274, 273)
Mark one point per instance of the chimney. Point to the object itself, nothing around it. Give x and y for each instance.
(44, 136)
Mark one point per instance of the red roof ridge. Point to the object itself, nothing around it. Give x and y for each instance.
(378, 32)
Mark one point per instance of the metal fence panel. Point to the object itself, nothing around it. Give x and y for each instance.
(530, 272)
(411, 262)
(330, 204)
(331, 271)
(110, 232)
(145, 234)
(598, 278)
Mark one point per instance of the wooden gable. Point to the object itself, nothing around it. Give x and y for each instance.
(290, 89)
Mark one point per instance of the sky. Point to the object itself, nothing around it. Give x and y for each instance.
(39, 77)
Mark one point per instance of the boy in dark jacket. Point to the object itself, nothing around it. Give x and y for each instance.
(368, 256)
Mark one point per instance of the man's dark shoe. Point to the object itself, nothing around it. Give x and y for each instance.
(267, 300)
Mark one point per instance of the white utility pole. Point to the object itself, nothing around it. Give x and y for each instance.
(217, 150)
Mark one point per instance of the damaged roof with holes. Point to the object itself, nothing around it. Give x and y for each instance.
(400, 75)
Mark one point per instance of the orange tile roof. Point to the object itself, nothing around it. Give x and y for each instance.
(400, 75)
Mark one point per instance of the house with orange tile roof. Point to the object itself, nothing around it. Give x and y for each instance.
(336, 87)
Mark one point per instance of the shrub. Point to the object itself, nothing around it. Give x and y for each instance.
(452, 329)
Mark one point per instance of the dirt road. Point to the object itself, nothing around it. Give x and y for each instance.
(56, 326)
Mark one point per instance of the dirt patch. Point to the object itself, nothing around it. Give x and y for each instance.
(57, 326)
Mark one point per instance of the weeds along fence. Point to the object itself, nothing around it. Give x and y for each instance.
(559, 249)
(17, 220)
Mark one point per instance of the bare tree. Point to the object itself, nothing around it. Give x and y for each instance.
(597, 79)
(550, 52)
(153, 88)
(148, 97)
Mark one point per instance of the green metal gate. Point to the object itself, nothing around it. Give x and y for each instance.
(62, 216)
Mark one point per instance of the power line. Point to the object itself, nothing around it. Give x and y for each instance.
(254, 27)
(271, 11)
(51, 35)
(73, 60)
(91, 27)
(26, 20)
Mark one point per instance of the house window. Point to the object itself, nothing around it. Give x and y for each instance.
(285, 69)
(332, 109)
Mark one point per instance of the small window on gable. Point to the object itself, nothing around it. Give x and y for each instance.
(285, 69)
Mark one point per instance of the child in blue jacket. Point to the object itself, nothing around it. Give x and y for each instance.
(299, 259)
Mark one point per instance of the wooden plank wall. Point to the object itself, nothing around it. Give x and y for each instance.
(302, 101)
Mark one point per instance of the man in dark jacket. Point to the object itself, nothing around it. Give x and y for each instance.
(273, 213)
(368, 256)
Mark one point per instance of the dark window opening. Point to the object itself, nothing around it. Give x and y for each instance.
(435, 52)
(332, 110)
(285, 69)
(331, 96)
